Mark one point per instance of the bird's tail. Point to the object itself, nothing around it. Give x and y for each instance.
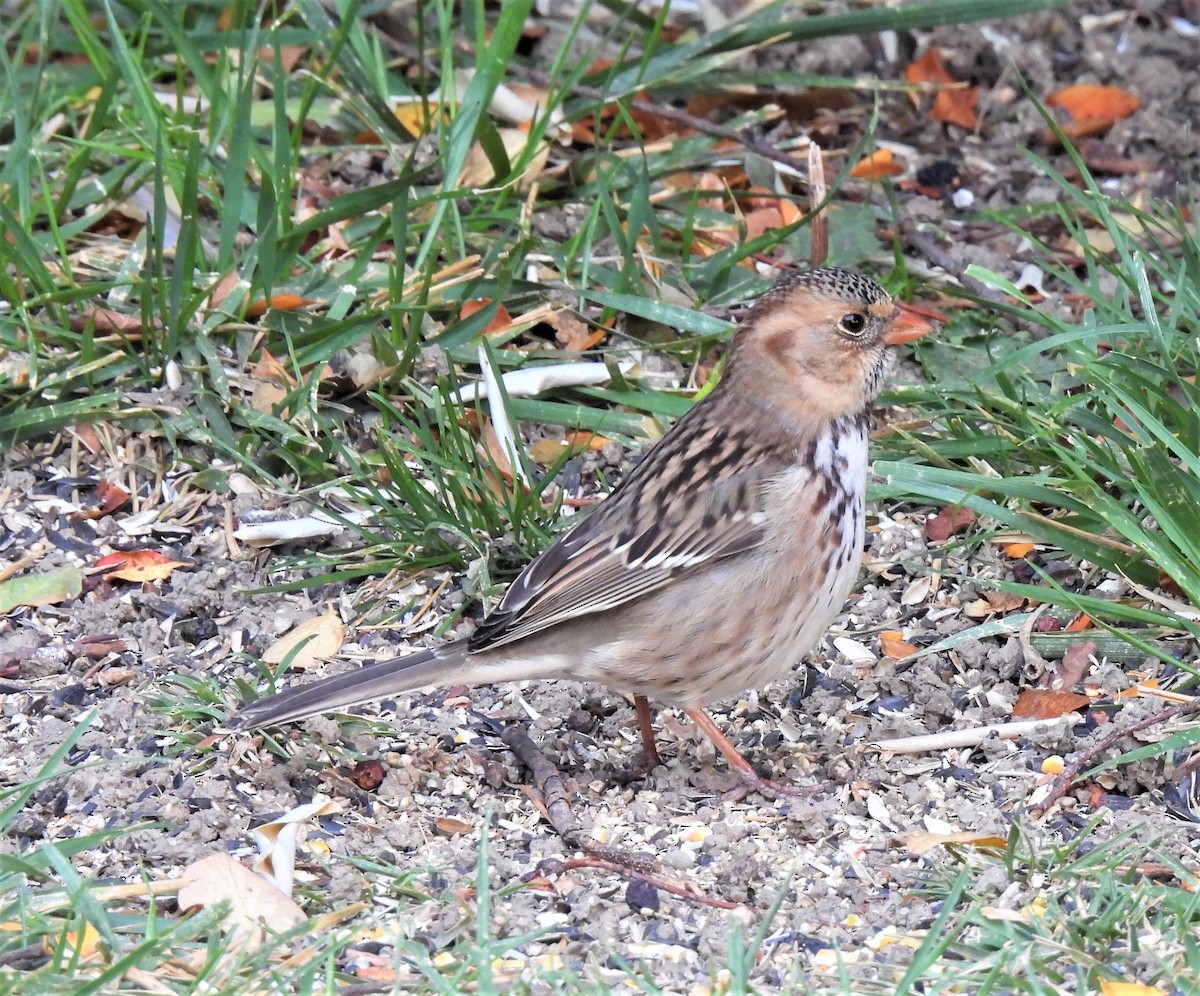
(440, 666)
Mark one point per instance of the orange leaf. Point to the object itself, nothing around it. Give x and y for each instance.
(762, 220)
(790, 213)
(957, 107)
(1018, 551)
(139, 565)
(927, 69)
(1092, 108)
(501, 321)
(878, 164)
(1046, 703)
(278, 302)
(109, 497)
(953, 106)
(1136, 691)
(893, 645)
(1079, 623)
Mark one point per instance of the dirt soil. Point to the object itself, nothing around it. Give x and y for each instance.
(842, 855)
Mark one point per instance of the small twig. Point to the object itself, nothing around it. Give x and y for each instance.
(818, 228)
(972, 737)
(550, 799)
(664, 111)
(938, 257)
(36, 553)
(682, 117)
(554, 806)
(1084, 759)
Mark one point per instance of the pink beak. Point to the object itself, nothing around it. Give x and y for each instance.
(909, 323)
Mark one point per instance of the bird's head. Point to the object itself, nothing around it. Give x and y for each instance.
(821, 341)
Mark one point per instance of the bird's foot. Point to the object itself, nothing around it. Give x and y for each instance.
(751, 779)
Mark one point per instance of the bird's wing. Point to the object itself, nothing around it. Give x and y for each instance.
(677, 512)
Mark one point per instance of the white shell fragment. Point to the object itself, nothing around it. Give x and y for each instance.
(531, 381)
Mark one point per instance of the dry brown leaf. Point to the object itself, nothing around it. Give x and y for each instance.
(762, 220)
(944, 524)
(957, 107)
(1045, 703)
(450, 827)
(478, 171)
(572, 333)
(929, 68)
(109, 497)
(255, 904)
(877, 165)
(1075, 665)
(1004, 601)
(85, 944)
(318, 638)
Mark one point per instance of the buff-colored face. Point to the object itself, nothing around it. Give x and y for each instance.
(829, 334)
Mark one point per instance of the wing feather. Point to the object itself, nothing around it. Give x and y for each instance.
(668, 518)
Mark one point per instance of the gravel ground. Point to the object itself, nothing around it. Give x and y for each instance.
(841, 854)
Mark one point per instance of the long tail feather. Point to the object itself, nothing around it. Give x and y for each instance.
(364, 684)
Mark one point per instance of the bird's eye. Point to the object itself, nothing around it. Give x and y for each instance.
(852, 324)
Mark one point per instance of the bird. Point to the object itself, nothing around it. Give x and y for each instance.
(720, 560)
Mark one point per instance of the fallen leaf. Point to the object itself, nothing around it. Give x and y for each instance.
(1092, 109)
(1110, 988)
(877, 165)
(500, 322)
(1136, 691)
(951, 105)
(893, 645)
(318, 639)
(47, 588)
(919, 843)
(1045, 703)
(277, 302)
(944, 524)
(450, 827)
(138, 566)
(277, 841)
(1080, 623)
(1075, 665)
(84, 944)
(573, 334)
(255, 903)
(762, 220)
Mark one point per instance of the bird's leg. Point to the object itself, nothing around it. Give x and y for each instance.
(650, 758)
(744, 770)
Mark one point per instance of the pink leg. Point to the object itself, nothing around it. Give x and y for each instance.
(742, 767)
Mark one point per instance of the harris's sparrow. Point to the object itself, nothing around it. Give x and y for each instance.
(722, 558)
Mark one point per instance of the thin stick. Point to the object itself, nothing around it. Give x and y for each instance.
(1064, 781)
(819, 226)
